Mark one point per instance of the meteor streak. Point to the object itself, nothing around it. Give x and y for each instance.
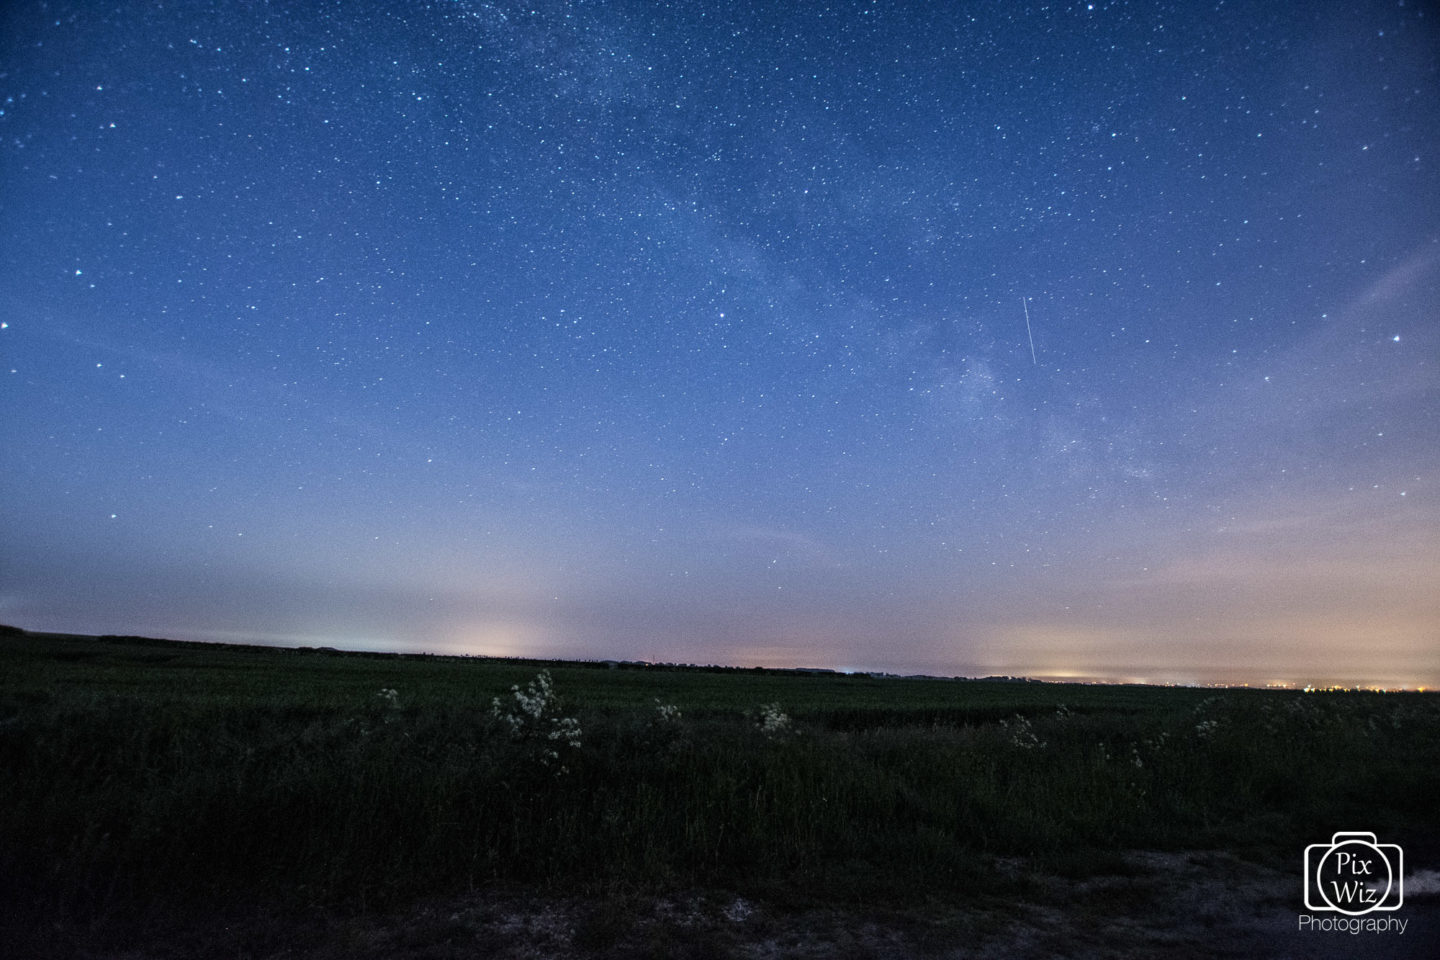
(1027, 331)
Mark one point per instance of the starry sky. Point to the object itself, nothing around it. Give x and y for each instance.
(1058, 339)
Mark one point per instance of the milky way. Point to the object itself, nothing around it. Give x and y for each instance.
(1082, 339)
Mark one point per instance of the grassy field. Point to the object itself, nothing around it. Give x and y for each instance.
(147, 778)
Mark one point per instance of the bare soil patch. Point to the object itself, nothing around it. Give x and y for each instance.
(1159, 904)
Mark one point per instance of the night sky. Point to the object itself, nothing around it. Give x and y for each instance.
(698, 331)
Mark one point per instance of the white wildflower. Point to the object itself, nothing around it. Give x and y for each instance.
(739, 911)
(772, 720)
(565, 730)
(1022, 734)
(534, 715)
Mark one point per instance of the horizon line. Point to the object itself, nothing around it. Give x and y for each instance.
(1095, 679)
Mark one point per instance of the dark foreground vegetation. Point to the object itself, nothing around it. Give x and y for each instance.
(143, 779)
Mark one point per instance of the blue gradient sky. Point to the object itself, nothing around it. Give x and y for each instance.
(697, 332)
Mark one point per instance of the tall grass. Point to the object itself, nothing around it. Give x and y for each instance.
(118, 801)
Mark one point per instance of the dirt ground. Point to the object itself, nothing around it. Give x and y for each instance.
(1171, 905)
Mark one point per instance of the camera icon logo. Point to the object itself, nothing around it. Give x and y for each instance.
(1354, 875)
